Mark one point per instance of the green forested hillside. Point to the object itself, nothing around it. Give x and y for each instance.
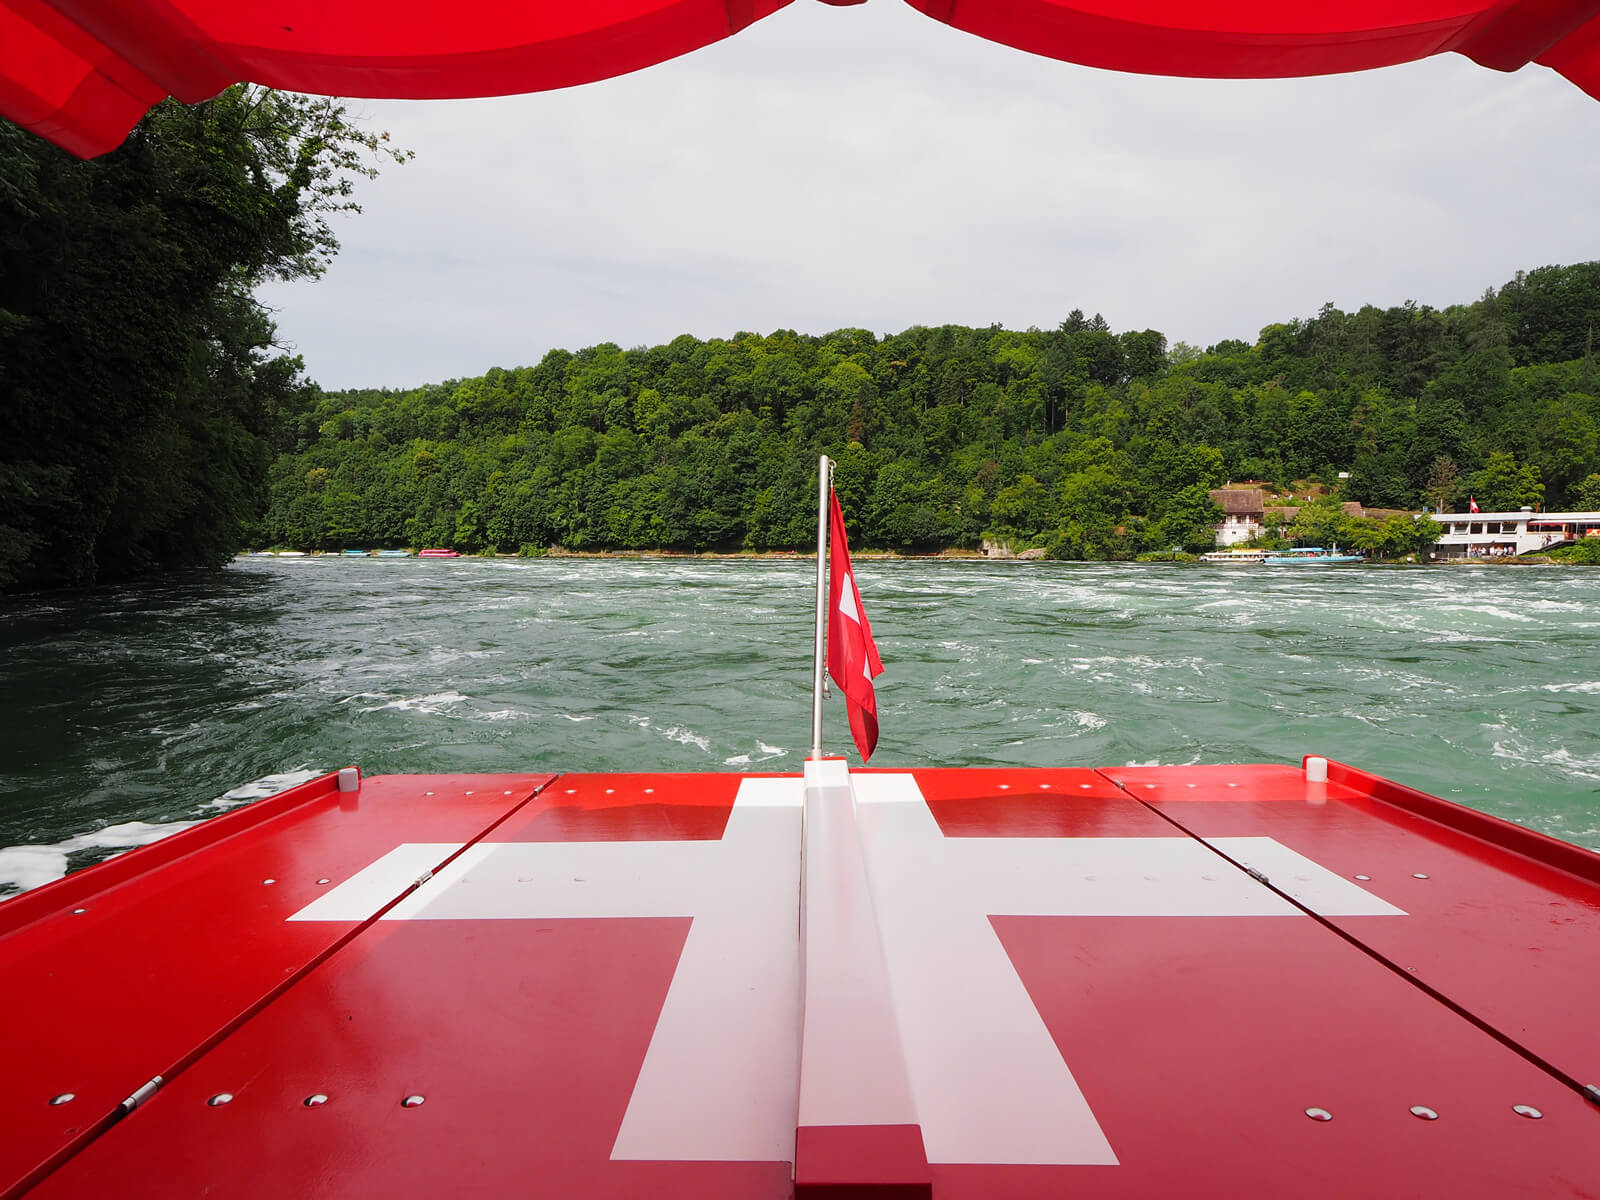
(1093, 443)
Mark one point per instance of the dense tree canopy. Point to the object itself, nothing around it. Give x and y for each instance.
(140, 391)
(1079, 439)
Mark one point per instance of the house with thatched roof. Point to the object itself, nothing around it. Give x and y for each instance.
(1242, 513)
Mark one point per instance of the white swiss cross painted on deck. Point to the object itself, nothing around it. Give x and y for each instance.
(720, 1076)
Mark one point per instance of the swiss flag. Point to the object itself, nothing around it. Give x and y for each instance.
(852, 655)
(1472, 505)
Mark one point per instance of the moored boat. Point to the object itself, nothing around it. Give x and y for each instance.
(437, 554)
(1237, 558)
(1312, 556)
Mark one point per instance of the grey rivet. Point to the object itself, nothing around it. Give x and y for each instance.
(268, 882)
(469, 793)
(315, 1100)
(1526, 1110)
(427, 793)
(324, 879)
(1044, 785)
(63, 1098)
(611, 791)
(1364, 878)
(1005, 787)
(220, 1099)
(1086, 786)
(506, 793)
(572, 791)
(412, 1101)
(1423, 1111)
(78, 912)
(1418, 875)
(1319, 1114)
(649, 791)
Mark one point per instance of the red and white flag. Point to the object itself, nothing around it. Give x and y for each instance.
(852, 655)
(1472, 505)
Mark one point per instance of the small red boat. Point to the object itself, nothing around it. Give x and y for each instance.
(437, 554)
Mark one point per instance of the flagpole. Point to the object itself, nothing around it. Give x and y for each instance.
(824, 471)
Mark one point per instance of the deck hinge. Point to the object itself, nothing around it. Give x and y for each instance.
(423, 878)
(140, 1096)
(1592, 1091)
(1258, 876)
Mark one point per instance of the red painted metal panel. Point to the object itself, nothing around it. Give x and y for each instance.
(1067, 802)
(1510, 939)
(177, 941)
(522, 1037)
(627, 808)
(861, 1162)
(1199, 1044)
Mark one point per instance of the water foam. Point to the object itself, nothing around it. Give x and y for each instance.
(25, 867)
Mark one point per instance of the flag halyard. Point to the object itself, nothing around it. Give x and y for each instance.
(852, 654)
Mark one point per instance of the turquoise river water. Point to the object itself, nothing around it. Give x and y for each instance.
(127, 713)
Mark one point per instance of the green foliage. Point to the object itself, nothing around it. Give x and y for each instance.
(1505, 485)
(1586, 496)
(150, 420)
(142, 398)
(1088, 443)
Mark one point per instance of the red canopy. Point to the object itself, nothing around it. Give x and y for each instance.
(81, 72)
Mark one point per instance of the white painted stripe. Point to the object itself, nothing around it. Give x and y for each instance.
(372, 887)
(721, 1077)
(987, 1079)
(1319, 889)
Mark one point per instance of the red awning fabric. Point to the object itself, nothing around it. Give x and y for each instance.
(82, 72)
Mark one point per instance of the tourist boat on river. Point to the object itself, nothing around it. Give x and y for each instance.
(1312, 556)
(1222, 980)
(1235, 558)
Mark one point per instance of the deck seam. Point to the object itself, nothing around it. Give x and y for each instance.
(1427, 989)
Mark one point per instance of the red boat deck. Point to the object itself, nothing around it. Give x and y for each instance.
(960, 983)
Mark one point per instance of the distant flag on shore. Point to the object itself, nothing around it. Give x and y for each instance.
(1472, 505)
(852, 654)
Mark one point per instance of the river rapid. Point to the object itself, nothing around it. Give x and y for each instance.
(128, 713)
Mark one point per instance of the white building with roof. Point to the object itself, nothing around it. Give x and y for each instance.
(1506, 534)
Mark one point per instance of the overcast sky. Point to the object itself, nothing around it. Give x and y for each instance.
(870, 167)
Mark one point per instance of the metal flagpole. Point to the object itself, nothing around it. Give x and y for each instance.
(824, 478)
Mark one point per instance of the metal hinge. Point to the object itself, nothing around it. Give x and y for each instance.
(1592, 1091)
(1257, 876)
(140, 1096)
(423, 878)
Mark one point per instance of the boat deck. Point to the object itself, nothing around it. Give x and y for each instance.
(1226, 980)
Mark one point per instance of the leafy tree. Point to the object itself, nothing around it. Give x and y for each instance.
(1444, 483)
(1505, 485)
(1586, 496)
(141, 394)
(1191, 520)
